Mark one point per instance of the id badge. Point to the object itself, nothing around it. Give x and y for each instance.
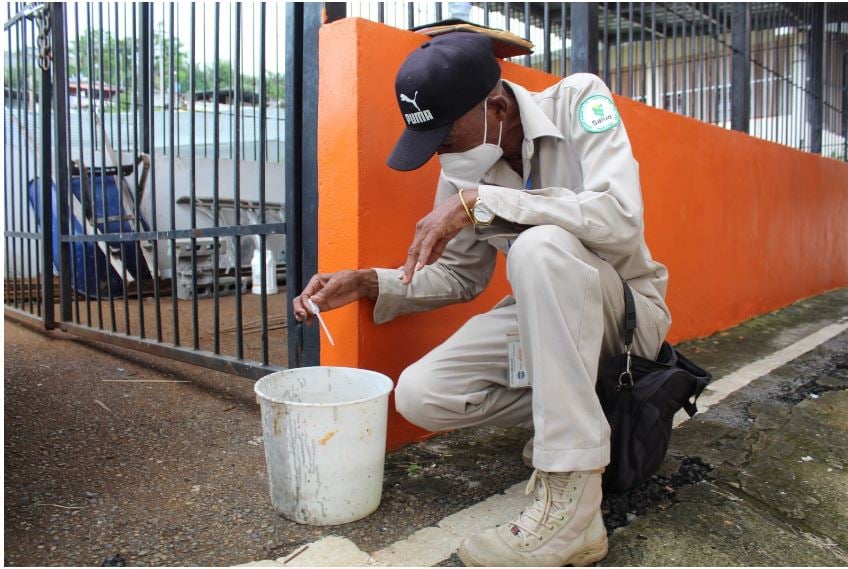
(518, 376)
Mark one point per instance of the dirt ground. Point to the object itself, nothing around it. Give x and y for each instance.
(174, 473)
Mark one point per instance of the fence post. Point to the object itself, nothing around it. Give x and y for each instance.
(60, 72)
(303, 22)
(146, 55)
(740, 65)
(335, 11)
(845, 106)
(815, 77)
(46, 100)
(584, 37)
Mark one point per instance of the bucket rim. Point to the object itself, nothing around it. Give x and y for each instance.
(391, 386)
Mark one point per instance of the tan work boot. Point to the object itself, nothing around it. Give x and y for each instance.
(562, 526)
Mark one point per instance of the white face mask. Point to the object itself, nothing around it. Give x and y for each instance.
(469, 166)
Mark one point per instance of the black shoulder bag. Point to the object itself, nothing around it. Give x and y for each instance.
(639, 398)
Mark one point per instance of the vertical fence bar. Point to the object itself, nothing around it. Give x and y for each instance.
(192, 175)
(630, 70)
(642, 47)
(302, 23)
(547, 28)
(702, 61)
(293, 160)
(618, 88)
(725, 73)
(674, 100)
(263, 136)
(172, 189)
(410, 15)
(154, 221)
(845, 104)
(805, 81)
(57, 27)
(29, 137)
(82, 166)
(20, 99)
(773, 71)
(654, 54)
(666, 74)
(47, 314)
(712, 79)
(685, 64)
(337, 11)
(146, 48)
(8, 161)
(757, 70)
(787, 85)
(120, 176)
(104, 201)
(216, 174)
(309, 229)
(237, 183)
(527, 60)
(607, 55)
(563, 27)
(695, 61)
(584, 37)
(740, 88)
(139, 259)
(815, 77)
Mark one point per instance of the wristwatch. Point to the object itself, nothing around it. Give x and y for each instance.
(482, 214)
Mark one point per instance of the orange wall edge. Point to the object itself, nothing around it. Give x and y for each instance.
(745, 226)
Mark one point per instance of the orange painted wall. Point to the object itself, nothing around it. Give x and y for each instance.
(745, 226)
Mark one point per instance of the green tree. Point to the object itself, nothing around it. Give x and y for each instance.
(116, 59)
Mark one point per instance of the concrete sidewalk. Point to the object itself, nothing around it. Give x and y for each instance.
(758, 479)
(174, 474)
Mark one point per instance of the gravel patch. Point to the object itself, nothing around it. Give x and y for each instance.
(657, 493)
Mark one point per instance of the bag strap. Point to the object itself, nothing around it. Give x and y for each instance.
(691, 407)
(625, 379)
(629, 315)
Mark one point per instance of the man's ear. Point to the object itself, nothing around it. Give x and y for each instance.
(500, 105)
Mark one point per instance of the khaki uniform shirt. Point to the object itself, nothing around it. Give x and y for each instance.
(581, 176)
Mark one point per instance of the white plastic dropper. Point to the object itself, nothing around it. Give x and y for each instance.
(317, 312)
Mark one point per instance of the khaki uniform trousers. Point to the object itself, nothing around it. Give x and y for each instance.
(569, 309)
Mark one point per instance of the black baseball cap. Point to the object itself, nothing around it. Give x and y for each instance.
(438, 83)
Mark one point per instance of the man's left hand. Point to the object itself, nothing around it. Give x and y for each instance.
(435, 230)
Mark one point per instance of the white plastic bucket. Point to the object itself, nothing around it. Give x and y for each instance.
(324, 430)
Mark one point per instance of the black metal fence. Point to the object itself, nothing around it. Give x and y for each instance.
(776, 70)
(153, 185)
(160, 159)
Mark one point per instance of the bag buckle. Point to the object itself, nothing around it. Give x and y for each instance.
(627, 373)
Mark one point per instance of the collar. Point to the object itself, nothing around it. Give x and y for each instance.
(534, 121)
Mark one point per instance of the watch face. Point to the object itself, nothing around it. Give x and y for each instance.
(482, 213)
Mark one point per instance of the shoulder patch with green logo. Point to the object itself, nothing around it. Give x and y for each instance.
(598, 114)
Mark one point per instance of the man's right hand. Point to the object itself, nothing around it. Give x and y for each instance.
(333, 290)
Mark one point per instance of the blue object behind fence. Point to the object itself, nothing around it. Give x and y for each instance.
(86, 255)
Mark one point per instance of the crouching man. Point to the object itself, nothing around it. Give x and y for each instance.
(549, 180)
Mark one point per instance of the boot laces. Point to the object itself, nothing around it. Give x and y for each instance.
(552, 495)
